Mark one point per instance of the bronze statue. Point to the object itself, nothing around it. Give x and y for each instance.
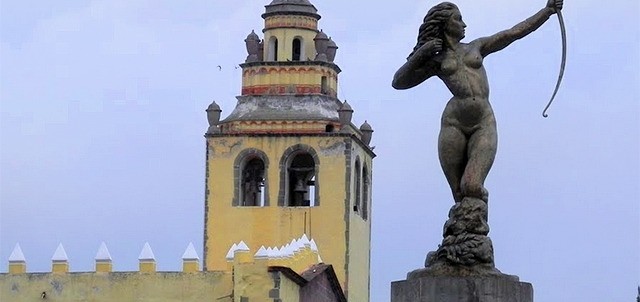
(468, 138)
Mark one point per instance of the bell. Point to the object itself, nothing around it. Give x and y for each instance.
(300, 187)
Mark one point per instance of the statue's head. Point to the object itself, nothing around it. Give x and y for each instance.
(454, 26)
(441, 19)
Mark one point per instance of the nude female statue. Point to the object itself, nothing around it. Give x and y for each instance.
(468, 138)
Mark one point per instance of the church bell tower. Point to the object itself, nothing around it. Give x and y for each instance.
(288, 161)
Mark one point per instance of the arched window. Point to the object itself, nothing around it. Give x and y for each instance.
(366, 192)
(296, 49)
(323, 85)
(273, 49)
(298, 177)
(250, 185)
(358, 201)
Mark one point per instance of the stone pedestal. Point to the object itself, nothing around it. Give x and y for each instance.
(488, 288)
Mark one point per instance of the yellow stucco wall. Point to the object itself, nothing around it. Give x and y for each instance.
(121, 287)
(359, 237)
(252, 280)
(289, 290)
(285, 38)
(256, 78)
(274, 225)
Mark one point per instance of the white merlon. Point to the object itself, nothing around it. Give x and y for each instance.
(243, 247)
(270, 253)
(17, 255)
(314, 246)
(103, 253)
(292, 251)
(190, 253)
(320, 259)
(299, 245)
(232, 250)
(60, 255)
(285, 251)
(147, 253)
(261, 253)
(281, 252)
(304, 240)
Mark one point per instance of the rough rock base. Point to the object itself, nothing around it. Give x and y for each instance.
(487, 288)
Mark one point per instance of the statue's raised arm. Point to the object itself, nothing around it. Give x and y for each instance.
(498, 41)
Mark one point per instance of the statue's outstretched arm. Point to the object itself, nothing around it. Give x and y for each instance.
(419, 67)
(499, 41)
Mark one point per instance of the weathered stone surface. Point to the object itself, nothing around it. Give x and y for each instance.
(488, 288)
(285, 107)
(465, 237)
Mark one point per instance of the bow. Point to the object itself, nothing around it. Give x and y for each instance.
(563, 31)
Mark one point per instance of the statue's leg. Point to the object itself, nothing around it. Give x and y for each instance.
(452, 148)
(482, 149)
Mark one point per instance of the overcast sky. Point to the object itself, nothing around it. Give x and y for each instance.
(102, 123)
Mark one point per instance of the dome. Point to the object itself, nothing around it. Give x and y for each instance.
(293, 7)
(321, 36)
(345, 107)
(366, 127)
(213, 107)
(253, 37)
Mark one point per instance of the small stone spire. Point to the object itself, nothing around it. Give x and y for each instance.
(103, 259)
(345, 113)
(253, 47)
(332, 49)
(60, 260)
(146, 259)
(213, 117)
(367, 131)
(322, 44)
(17, 262)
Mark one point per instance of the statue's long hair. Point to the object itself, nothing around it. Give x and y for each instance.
(434, 24)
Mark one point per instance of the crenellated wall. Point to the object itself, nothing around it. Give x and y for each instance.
(248, 275)
(116, 286)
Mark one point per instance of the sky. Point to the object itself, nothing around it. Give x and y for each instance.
(102, 121)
